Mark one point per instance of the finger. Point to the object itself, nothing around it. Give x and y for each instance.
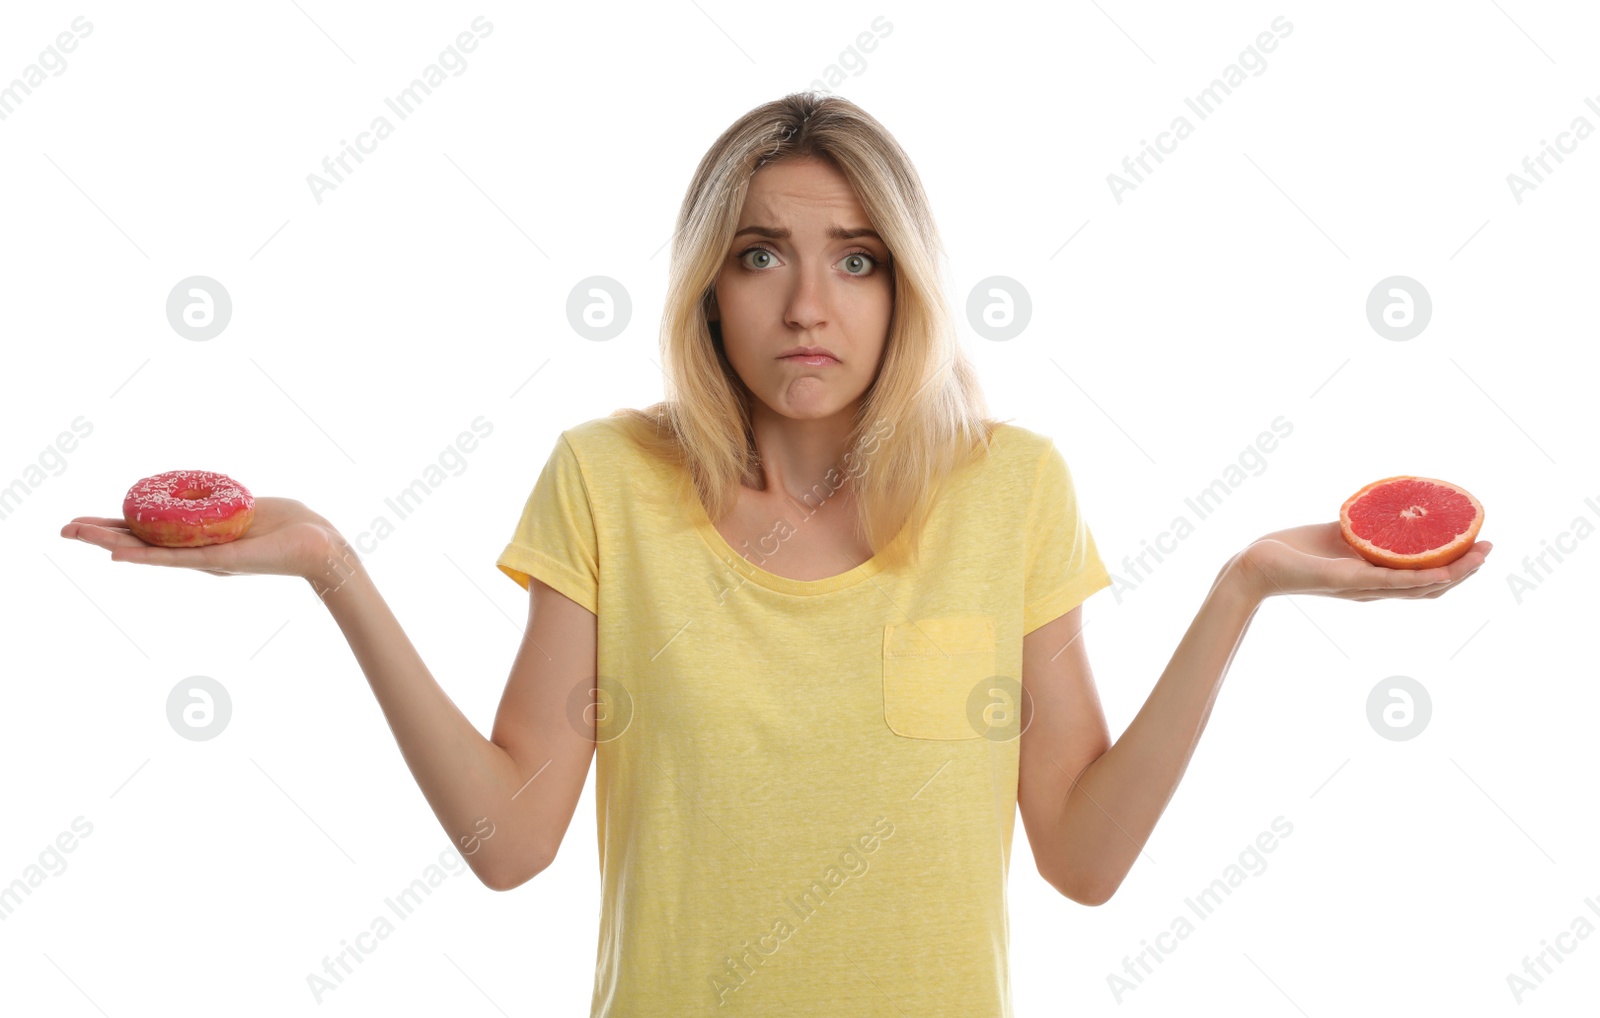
(129, 548)
(183, 557)
(78, 528)
(1431, 590)
(1358, 575)
(1420, 590)
(104, 537)
(102, 521)
(1392, 578)
(1444, 588)
(1453, 583)
(1407, 592)
(1392, 594)
(1470, 562)
(1404, 579)
(1466, 565)
(204, 557)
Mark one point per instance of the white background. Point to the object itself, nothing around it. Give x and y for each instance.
(369, 330)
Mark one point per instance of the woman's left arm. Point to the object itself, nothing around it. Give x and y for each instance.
(1113, 805)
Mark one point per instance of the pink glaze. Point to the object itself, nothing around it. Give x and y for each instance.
(156, 499)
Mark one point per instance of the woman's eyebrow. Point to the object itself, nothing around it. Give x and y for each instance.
(834, 233)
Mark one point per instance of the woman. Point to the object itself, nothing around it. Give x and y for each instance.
(817, 617)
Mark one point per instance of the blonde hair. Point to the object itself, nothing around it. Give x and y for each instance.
(924, 416)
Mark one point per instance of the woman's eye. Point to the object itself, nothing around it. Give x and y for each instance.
(856, 258)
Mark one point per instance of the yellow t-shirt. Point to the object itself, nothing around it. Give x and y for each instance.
(805, 789)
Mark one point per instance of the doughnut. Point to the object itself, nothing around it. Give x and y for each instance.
(188, 508)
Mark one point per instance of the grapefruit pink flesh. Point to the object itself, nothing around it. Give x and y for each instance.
(1410, 522)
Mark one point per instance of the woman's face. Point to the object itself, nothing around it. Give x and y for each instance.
(789, 282)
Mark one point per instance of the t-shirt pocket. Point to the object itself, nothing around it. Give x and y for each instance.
(931, 668)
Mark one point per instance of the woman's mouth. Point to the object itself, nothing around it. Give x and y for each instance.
(814, 356)
(815, 360)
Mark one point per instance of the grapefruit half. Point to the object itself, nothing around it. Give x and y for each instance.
(1411, 522)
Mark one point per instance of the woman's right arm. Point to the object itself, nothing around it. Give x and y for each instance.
(505, 801)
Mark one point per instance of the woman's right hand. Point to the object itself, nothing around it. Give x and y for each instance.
(284, 539)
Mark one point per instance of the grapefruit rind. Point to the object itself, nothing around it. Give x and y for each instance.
(1431, 558)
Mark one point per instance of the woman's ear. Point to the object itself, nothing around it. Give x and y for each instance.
(711, 307)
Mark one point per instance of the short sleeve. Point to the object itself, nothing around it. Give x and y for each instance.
(555, 538)
(1064, 565)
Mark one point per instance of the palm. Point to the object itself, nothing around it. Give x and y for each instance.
(1316, 559)
(285, 538)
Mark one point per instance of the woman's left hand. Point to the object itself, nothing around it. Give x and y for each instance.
(1316, 559)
